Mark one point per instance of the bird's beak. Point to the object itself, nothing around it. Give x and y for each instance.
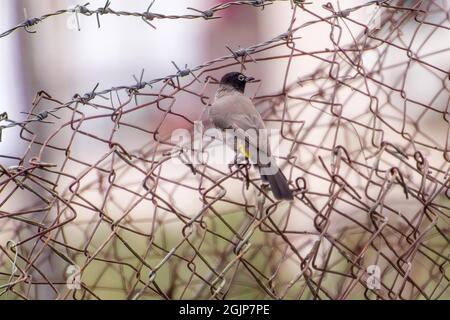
(248, 79)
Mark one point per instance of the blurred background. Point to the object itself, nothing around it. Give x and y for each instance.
(63, 61)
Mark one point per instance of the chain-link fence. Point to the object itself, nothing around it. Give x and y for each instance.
(99, 205)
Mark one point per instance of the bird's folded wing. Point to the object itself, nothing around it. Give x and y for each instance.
(252, 143)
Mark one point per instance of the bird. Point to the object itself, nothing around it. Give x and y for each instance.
(233, 110)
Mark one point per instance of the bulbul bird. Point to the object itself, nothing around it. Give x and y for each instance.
(232, 110)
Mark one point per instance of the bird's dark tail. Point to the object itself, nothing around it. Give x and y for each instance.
(279, 185)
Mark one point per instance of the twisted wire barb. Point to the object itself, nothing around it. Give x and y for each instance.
(368, 160)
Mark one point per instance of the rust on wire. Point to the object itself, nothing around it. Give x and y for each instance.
(92, 214)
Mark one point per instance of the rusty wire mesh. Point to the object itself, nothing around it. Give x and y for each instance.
(364, 145)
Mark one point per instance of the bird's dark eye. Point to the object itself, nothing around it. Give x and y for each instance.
(241, 77)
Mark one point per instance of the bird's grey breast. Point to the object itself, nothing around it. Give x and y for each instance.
(235, 110)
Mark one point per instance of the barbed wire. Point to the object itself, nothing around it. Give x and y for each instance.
(370, 175)
(147, 16)
(140, 84)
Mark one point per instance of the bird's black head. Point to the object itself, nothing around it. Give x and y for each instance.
(236, 80)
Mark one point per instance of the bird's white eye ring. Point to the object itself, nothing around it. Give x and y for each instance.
(241, 77)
